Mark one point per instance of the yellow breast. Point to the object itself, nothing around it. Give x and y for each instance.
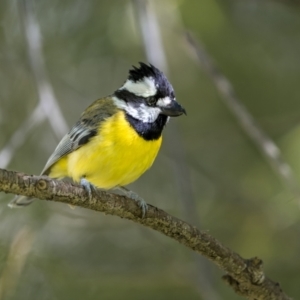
(116, 156)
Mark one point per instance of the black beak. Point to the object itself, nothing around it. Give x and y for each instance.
(174, 109)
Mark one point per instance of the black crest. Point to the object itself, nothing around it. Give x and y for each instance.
(164, 88)
(144, 70)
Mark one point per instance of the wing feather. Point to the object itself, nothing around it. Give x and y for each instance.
(78, 136)
(82, 131)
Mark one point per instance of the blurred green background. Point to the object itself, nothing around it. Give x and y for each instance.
(226, 186)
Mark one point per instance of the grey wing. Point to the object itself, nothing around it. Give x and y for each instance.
(78, 136)
(83, 130)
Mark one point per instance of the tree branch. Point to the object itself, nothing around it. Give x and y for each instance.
(245, 276)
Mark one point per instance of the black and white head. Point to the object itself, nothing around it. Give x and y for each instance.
(148, 95)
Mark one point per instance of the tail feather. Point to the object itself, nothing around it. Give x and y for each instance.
(20, 201)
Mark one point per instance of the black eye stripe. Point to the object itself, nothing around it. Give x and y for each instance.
(133, 98)
(130, 97)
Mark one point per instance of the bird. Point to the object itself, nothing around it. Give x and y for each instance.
(117, 137)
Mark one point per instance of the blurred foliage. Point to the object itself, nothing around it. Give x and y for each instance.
(88, 47)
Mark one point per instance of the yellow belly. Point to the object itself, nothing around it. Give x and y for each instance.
(117, 156)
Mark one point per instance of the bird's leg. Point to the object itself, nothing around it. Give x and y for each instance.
(87, 186)
(128, 193)
(134, 196)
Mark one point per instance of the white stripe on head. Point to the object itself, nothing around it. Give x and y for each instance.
(163, 102)
(143, 88)
(140, 112)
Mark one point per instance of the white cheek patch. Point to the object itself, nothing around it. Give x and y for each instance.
(163, 102)
(141, 112)
(143, 88)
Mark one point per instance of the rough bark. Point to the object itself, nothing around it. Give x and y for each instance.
(245, 276)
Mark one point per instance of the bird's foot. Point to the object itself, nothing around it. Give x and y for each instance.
(134, 196)
(87, 186)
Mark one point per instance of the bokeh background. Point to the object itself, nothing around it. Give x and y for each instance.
(210, 171)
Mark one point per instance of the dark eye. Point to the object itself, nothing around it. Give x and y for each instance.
(151, 101)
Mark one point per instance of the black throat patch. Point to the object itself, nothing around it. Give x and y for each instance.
(148, 131)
